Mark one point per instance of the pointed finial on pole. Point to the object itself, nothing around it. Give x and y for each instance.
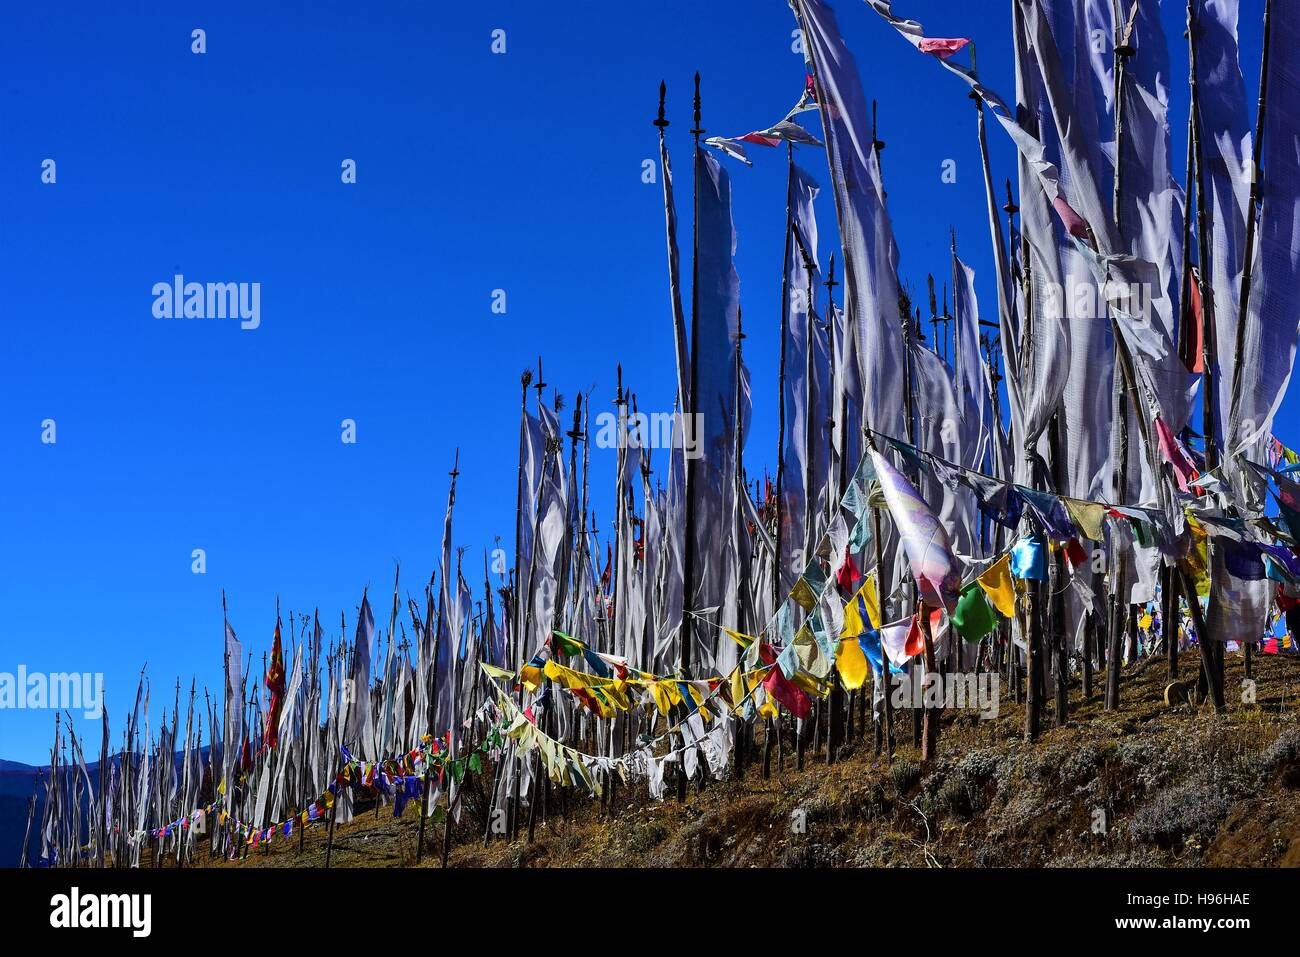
(830, 285)
(663, 91)
(698, 129)
(1010, 208)
(575, 434)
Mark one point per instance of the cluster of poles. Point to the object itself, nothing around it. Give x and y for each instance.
(1052, 397)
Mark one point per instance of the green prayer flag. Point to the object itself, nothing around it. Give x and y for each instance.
(973, 617)
(567, 645)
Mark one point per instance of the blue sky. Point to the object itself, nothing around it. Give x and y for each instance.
(475, 171)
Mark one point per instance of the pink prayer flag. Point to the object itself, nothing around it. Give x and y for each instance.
(1172, 452)
(1072, 221)
(786, 693)
(940, 47)
(929, 552)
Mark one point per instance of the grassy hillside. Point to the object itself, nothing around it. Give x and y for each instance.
(1147, 785)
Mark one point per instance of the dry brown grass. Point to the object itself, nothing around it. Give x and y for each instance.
(1176, 786)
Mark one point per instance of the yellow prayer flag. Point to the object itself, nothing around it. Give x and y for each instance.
(853, 625)
(663, 700)
(872, 600)
(674, 692)
(494, 672)
(996, 582)
(812, 684)
(531, 676)
(1195, 561)
(737, 690)
(852, 664)
(741, 639)
(803, 594)
(617, 696)
(1087, 517)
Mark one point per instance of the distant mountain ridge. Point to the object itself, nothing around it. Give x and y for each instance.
(18, 781)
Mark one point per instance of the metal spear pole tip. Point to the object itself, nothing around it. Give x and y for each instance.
(698, 129)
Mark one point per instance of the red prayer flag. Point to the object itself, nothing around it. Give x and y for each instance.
(275, 684)
(1189, 337)
(915, 640)
(849, 576)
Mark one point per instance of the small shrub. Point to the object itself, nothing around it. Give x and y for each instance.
(1151, 765)
(870, 803)
(906, 774)
(1181, 813)
(1080, 765)
(1284, 755)
(979, 766)
(957, 797)
(646, 836)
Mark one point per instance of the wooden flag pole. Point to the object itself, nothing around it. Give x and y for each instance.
(1252, 215)
(885, 727)
(692, 479)
(779, 504)
(836, 735)
(739, 488)
(1058, 591)
(931, 716)
(1211, 650)
(329, 841)
(1122, 617)
(801, 729)
(1170, 584)
(1034, 652)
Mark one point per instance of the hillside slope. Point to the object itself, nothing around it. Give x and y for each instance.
(1147, 785)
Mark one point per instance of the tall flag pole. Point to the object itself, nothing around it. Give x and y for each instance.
(1210, 648)
(781, 516)
(1265, 345)
(691, 408)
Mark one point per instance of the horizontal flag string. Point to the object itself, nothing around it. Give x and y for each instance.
(994, 478)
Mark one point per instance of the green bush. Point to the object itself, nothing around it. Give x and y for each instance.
(906, 774)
